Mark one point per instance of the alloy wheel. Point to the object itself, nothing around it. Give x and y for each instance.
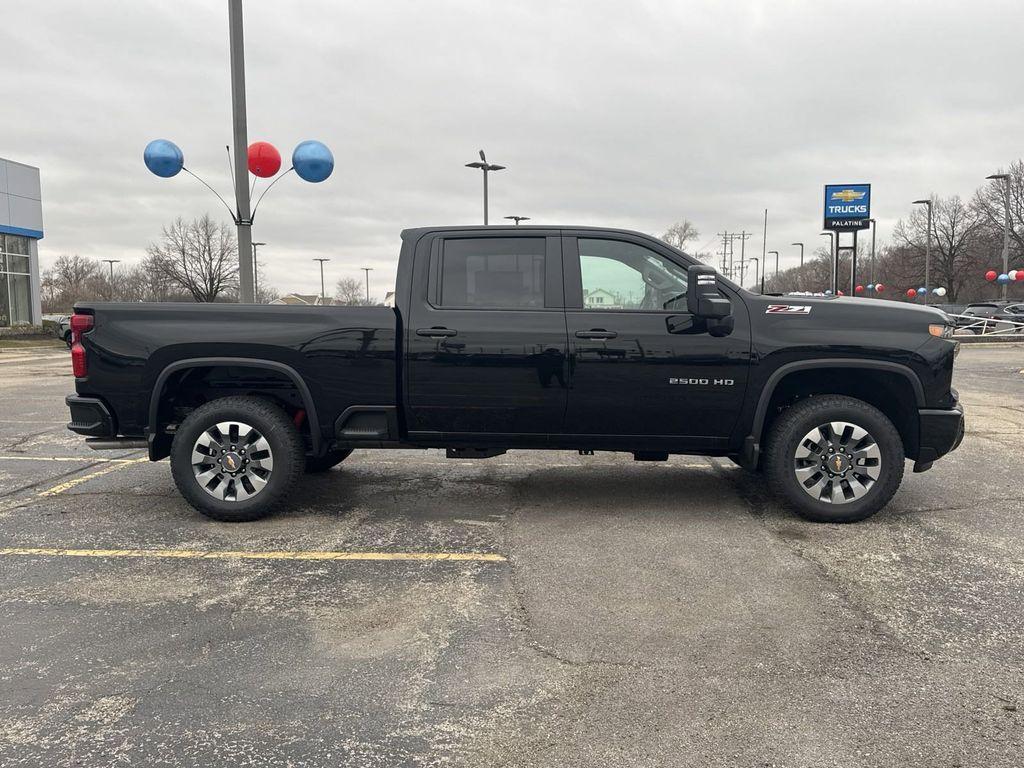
(232, 461)
(837, 462)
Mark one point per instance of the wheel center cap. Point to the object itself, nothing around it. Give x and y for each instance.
(837, 463)
(232, 462)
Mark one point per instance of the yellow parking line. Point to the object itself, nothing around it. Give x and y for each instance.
(199, 554)
(112, 467)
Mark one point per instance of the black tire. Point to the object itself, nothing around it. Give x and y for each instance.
(328, 460)
(287, 452)
(795, 423)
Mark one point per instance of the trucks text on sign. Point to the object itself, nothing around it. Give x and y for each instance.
(847, 206)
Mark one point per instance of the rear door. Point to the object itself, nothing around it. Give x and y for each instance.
(487, 352)
(640, 364)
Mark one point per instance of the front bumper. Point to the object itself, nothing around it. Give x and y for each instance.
(90, 416)
(940, 431)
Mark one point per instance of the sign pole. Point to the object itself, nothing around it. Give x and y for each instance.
(853, 266)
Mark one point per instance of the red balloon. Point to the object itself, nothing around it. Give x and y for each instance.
(859, 289)
(264, 159)
(911, 293)
(879, 287)
(991, 275)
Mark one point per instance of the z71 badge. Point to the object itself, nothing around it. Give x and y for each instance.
(788, 309)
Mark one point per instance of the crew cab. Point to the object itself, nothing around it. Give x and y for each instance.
(533, 338)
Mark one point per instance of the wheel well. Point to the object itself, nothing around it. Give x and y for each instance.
(186, 389)
(888, 391)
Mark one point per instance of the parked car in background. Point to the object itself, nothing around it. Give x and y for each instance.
(63, 329)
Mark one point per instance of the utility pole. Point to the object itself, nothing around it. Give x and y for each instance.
(518, 219)
(246, 294)
(323, 292)
(367, 270)
(725, 249)
(1006, 222)
(255, 273)
(743, 259)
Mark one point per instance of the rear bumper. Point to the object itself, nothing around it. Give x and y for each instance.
(90, 416)
(941, 431)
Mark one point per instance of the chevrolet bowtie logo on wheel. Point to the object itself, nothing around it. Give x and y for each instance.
(848, 195)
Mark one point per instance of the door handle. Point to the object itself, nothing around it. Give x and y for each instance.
(596, 333)
(436, 332)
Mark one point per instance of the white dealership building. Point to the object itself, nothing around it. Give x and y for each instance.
(21, 228)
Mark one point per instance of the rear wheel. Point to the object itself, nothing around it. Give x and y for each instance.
(834, 459)
(234, 459)
(328, 460)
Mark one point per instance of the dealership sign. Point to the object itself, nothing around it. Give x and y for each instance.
(847, 206)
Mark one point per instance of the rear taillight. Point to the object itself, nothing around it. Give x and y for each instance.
(79, 325)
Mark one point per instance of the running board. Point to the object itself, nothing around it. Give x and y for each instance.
(115, 443)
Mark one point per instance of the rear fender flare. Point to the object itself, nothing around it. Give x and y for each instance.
(237, 362)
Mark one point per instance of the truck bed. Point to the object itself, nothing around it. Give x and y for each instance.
(345, 356)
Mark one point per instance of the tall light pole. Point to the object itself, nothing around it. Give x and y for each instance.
(517, 219)
(801, 253)
(927, 249)
(835, 260)
(255, 273)
(1006, 222)
(246, 294)
(757, 267)
(111, 262)
(764, 244)
(486, 167)
(323, 291)
(874, 227)
(367, 270)
(776, 265)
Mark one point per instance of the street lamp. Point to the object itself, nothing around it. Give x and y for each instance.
(801, 253)
(1006, 222)
(927, 248)
(484, 166)
(323, 292)
(757, 269)
(367, 270)
(835, 260)
(517, 219)
(111, 262)
(255, 273)
(776, 263)
(874, 227)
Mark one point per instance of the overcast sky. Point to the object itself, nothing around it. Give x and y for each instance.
(628, 114)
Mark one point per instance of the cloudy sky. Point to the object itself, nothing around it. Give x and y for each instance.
(630, 114)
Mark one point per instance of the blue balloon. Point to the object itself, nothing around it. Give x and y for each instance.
(313, 161)
(828, 293)
(871, 286)
(1003, 279)
(922, 292)
(163, 158)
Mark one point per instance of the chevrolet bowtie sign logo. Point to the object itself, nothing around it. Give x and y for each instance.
(847, 206)
(848, 195)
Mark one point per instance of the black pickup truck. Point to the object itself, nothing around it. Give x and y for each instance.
(526, 337)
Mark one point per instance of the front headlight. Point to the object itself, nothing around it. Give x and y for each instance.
(941, 330)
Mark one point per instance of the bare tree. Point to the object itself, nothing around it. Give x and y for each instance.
(957, 244)
(989, 202)
(351, 292)
(70, 279)
(200, 256)
(680, 233)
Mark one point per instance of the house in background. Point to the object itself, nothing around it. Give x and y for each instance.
(304, 299)
(599, 298)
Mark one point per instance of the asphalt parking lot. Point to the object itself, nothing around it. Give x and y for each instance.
(560, 610)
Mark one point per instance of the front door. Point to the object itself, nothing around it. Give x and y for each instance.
(639, 363)
(486, 340)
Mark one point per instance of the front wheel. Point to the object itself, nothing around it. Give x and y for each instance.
(234, 459)
(834, 459)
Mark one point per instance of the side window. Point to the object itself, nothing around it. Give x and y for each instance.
(493, 272)
(621, 275)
